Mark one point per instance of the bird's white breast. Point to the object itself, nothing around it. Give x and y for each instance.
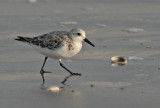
(60, 52)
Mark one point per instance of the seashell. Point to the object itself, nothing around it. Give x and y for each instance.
(32, 1)
(54, 89)
(118, 61)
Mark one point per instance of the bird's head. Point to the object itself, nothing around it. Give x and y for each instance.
(79, 35)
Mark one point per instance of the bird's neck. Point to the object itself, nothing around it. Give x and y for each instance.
(77, 46)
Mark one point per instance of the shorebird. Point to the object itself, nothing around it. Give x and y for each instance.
(57, 45)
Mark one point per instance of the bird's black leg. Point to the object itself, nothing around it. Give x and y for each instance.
(67, 69)
(42, 70)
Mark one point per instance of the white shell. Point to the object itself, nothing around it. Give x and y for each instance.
(118, 60)
(32, 1)
(54, 89)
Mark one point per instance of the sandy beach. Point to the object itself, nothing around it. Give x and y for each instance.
(117, 28)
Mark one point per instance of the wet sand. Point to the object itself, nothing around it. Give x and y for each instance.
(108, 25)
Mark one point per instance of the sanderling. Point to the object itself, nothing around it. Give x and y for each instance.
(57, 45)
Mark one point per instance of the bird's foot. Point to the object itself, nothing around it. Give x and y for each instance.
(78, 74)
(42, 72)
(47, 72)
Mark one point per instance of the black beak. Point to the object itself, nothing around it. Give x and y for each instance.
(86, 40)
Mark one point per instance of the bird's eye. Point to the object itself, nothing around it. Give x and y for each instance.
(79, 34)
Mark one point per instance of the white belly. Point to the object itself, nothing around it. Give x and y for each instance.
(59, 53)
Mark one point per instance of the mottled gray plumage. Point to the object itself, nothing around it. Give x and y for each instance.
(50, 40)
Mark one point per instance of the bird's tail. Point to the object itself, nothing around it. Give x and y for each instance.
(23, 39)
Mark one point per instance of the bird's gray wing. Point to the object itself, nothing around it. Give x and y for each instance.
(50, 40)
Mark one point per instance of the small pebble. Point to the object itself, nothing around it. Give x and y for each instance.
(91, 85)
(122, 88)
(148, 47)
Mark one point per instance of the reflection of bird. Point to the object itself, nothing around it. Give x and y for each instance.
(65, 79)
(57, 45)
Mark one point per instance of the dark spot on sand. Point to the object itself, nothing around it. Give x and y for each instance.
(122, 88)
(91, 85)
